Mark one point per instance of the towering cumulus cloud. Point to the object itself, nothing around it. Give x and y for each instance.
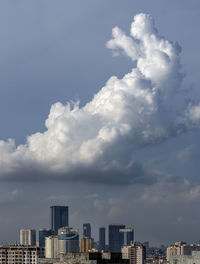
(96, 142)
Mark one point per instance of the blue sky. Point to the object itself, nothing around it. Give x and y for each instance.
(55, 51)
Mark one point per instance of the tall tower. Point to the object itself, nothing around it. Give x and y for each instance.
(68, 240)
(114, 237)
(102, 238)
(86, 244)
(59, 218)
(43, 233)
(126, 236)
(87, 230)
(28, 237)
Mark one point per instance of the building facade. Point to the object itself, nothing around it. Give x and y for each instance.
(51, 247)
(86, 244)
(43, 233)
(20, 254)
(181, 248)
(136, 253)
(59, 218)
(87, 258)
(102, 239)
(194, 258)
(87, 230)
(126, 236)
(114, 237)
(28, 237)
(68, 240)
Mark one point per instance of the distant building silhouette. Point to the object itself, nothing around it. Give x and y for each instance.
(102, 239)
(87, 230)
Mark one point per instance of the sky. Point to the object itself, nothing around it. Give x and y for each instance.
(100, 111)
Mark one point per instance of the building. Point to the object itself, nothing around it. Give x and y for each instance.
(126, 236)
(59, 218)
(102, 239)
(114, 237)
(136, 253)
(87, 258)
(43, 233)
(181, 248)
(87, 230)
(194, 258)
(20, 254)
(68, 240)
(51, 247)
(86, 244)
(28, 237)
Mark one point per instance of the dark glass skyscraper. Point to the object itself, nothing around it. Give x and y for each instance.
(102, 238)
(114, 237)
(59, 218)
(126, 236)
(87, 230)
(43, 233)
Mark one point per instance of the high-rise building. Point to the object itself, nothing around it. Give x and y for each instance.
(114, 237)
(19, 254)
(136, 253)
(87, 230)
(51, 247)
(68, 240)
(59, 218)
(43, 233)
(86, 244)
(28, 237)
(102, 238)
(126, 236)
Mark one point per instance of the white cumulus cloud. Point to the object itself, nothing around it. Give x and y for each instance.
(96, 142)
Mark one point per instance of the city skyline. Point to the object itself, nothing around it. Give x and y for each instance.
(120, 149)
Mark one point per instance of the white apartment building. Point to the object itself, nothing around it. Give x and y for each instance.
(20, 254)
(28, 237)
(136, 253)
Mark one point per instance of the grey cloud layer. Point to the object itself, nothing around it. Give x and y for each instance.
(96, 143)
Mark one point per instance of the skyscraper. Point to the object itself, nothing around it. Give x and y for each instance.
(28, 237)
(86, 244)
(126, 236)
(51, 247)
(59, 218)
(102, 238)
(87, 230)
(114, 237)
(68, 240)
(43, 233)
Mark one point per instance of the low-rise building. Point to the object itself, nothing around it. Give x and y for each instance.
(194, 258)
(181, 248)
(87, 258)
